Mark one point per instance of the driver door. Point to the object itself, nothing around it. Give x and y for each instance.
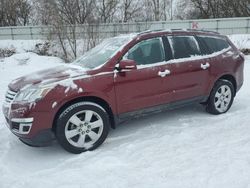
(140, 88)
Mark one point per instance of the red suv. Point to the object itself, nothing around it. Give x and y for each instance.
(121, 78)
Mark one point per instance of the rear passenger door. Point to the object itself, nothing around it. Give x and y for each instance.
(189, 72)
(219, 51)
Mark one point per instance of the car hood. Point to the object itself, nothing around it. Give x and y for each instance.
(48, 76)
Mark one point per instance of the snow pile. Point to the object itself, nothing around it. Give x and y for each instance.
(41, 47)
(21, 64)
(21, 46)
(32, 59)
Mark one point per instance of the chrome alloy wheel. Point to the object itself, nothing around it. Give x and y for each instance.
(223, 98)
(84, 128)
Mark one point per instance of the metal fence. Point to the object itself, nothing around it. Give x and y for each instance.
(224, 26)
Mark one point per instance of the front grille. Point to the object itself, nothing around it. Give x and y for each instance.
(10, 96)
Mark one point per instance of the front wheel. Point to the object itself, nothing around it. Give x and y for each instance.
(82, 126)
(221, 97)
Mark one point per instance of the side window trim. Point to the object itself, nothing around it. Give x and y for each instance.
(197, 43)
(167, 48)
(171, 46)
(162, 46)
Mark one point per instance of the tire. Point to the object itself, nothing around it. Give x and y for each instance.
(221, 97)
(81, 127)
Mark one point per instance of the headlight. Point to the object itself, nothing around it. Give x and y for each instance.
(32, 95)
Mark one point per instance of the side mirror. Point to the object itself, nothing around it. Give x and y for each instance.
(126, 64)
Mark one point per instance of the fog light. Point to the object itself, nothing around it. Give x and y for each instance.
(22, 125)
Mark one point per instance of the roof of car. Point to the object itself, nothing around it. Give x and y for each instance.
(189, 31)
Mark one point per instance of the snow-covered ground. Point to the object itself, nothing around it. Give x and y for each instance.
(180, 148)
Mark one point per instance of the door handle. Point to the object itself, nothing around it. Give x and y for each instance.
(164, 73)
(205, 66)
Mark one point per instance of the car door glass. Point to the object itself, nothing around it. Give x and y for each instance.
(184, 46)
(215, 44)
(146, 52)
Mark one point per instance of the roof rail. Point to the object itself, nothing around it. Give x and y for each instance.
(178, 29)
(199, 30)
(150, 31)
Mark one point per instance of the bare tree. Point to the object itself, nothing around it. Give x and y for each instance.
(74, 12)
(43, 12)
(129, 9)
(222, 8)
(165, 6)
(65, 19)
(106, 9)
(24, 10)
(156, 9)
(14, 12)
(152, 10)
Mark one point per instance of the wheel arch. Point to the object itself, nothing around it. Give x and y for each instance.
(93, 99)
(230, 78)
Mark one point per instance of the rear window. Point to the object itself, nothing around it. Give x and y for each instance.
(214, 44)
(184, 46)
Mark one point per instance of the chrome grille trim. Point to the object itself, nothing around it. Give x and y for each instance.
(10, 96)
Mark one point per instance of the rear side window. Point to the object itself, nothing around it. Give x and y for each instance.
(184, 46)
(147, 52)
(214, 44)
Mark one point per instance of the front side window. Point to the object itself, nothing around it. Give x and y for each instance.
(147, 52)
(184, 46)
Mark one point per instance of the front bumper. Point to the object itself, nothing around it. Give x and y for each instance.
(43, 138)
(21, 128)
(21, 125)
(30, 127)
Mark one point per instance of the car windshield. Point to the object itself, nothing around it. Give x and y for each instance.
(102, 52)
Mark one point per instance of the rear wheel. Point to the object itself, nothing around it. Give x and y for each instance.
(82, 126)
(221, 97)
